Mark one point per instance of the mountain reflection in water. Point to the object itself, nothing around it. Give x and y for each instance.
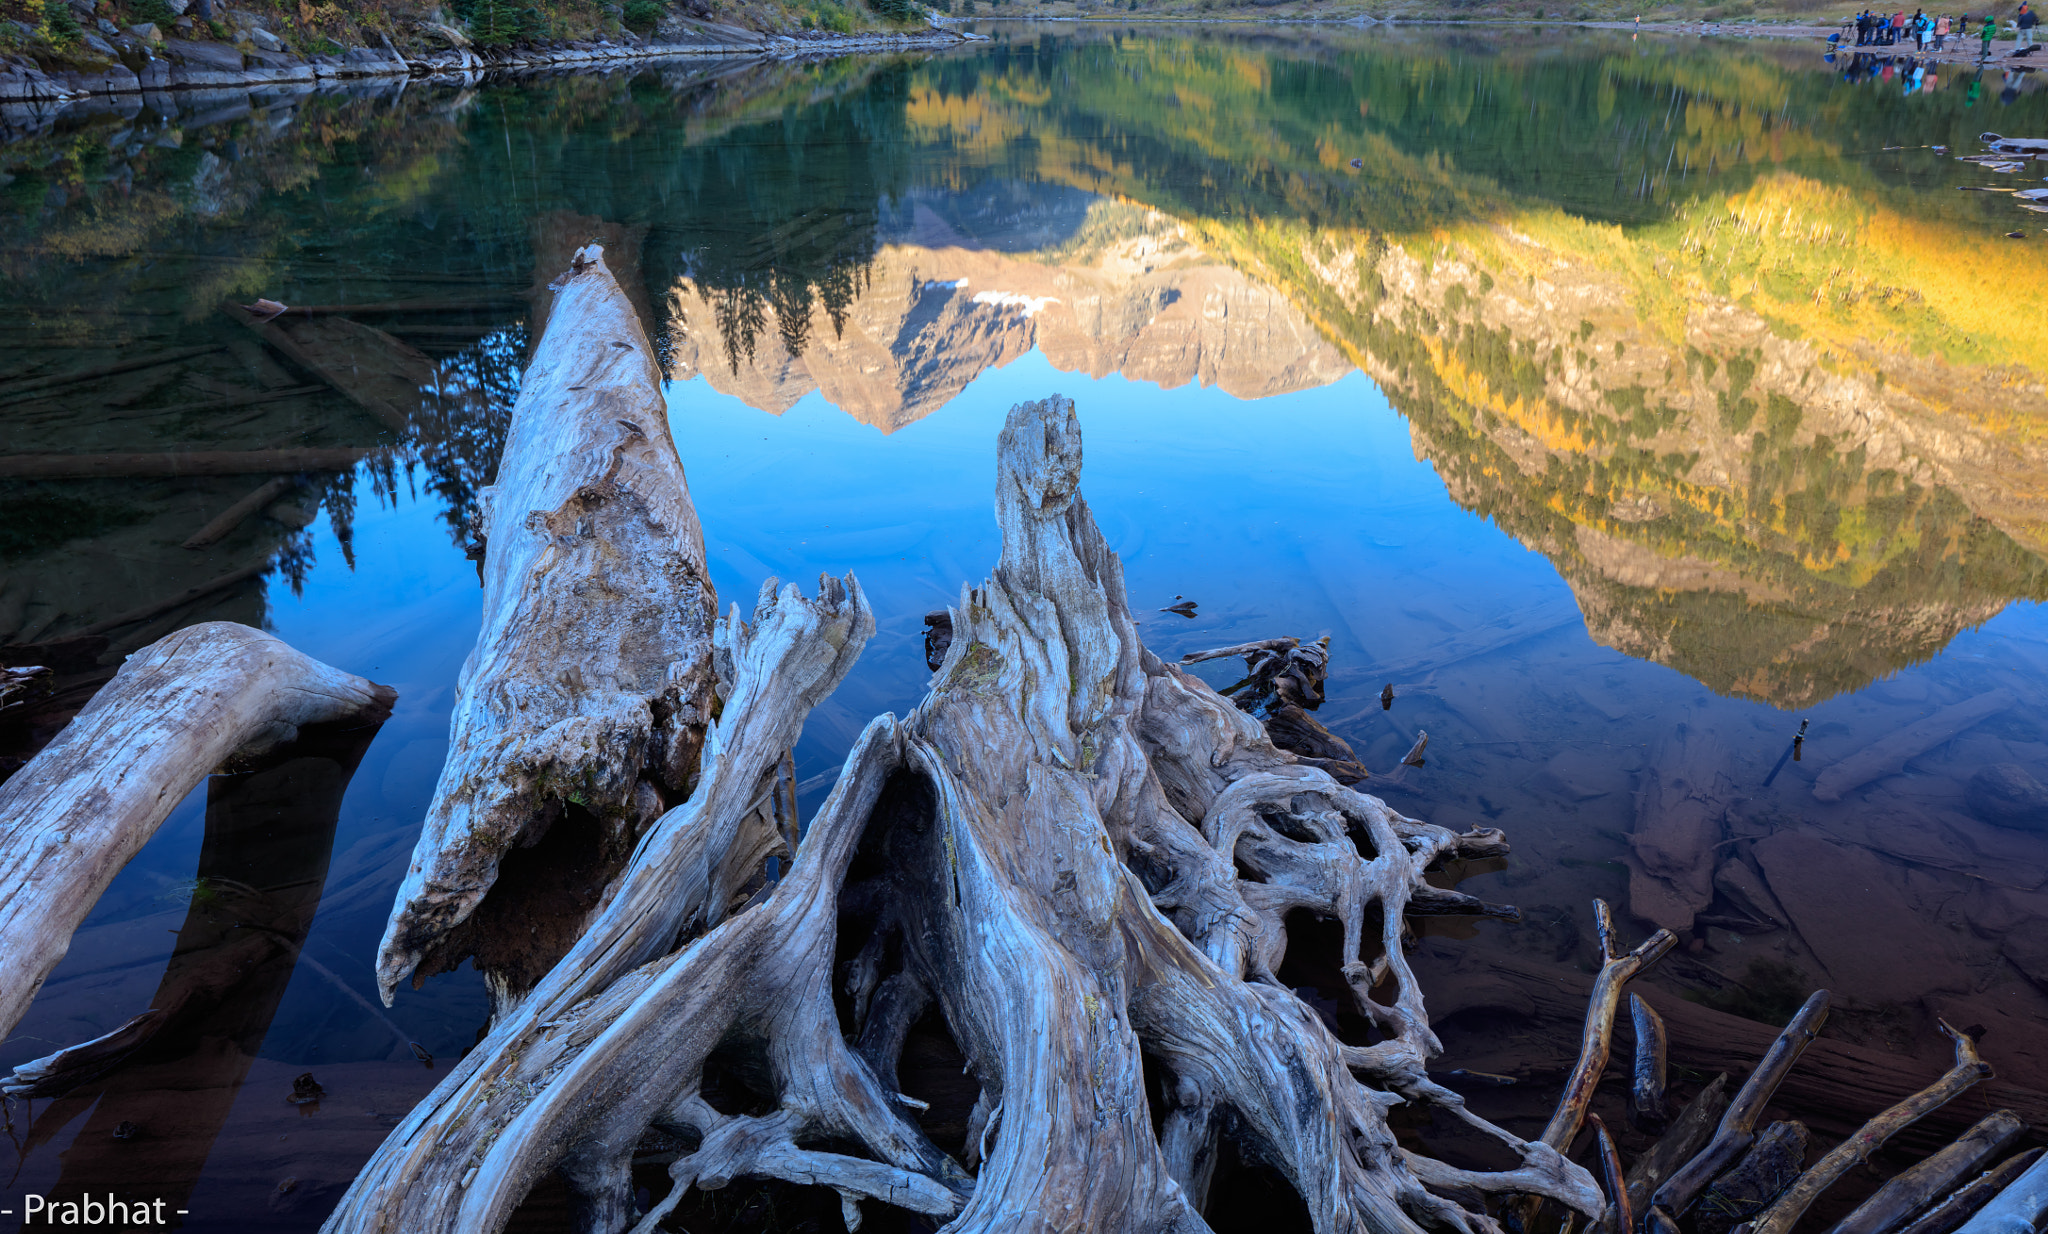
(1743, 394)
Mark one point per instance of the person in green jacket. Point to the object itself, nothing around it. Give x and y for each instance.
(1990, 29)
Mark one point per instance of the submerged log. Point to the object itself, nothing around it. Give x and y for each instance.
(1283, 683)
(378, 373)
(73, 816)
(1965, 1201)
(1920, 1184)
(222, 525)
(1892, 752)
(584, 704)
(178, 463)
(98, 371)
(1078, 856)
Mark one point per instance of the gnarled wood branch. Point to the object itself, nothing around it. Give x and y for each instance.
(91, 799)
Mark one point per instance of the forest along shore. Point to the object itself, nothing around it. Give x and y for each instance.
(140, 59)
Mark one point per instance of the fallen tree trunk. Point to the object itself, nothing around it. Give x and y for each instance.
(11, 392)
(1892, 752)
(222, 525)
(378, 373)
(1081, 858)
(1969, 1070)
(178, 708)
(178, 463)
(1966, 1200)
(582, 708)
(1922, 1184)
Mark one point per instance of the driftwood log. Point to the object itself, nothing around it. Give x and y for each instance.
(1963, 1203)
(1914, 1188)
(1968, 1070)
(2017, 1209)
(177, 710)
(1737, 1130)
(580, 715)
(1081, 859)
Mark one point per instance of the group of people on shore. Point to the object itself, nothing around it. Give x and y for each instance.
(1878, 30)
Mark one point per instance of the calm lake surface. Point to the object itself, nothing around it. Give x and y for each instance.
(1629, 406)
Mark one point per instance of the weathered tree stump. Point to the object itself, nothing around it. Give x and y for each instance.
(1082, 857)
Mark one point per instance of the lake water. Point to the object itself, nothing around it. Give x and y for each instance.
(1630, 406)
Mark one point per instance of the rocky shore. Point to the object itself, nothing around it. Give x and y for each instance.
(141, 59)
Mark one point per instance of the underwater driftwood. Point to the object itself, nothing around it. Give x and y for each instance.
(378, 373)
(86, 803)
(582, 708)
(1282, 684)
(1078, 856)
(179, 463)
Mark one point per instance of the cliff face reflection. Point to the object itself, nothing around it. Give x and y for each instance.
(1765, 398)
(1125, 292)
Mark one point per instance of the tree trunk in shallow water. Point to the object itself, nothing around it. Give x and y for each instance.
(1081, 856)
(579, 716)
(178, 708)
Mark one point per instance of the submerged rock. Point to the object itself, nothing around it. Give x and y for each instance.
(2008, 795)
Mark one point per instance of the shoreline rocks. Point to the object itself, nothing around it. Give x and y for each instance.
(148, 63)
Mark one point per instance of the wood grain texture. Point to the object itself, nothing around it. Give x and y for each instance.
(178, 708)
(585, 700)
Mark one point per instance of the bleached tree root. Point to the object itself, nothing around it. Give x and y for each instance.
(91, 799)
(682, 879)
(1080, 856)
(583, 706)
